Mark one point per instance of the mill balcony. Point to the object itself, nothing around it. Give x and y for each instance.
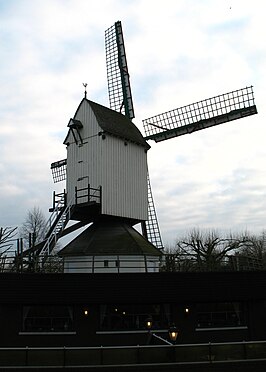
(85, 204)
(86, 195)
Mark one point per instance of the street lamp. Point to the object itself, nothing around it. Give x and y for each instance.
(148, 323)
(173, 333)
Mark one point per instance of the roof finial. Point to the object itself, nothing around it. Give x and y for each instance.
(85, 92)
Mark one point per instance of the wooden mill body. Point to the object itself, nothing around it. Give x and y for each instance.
(104, 148)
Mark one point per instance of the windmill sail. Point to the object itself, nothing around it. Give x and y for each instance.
(119, 90)
(58, 169)
(150, 228)
(200, 115)
(120, 99)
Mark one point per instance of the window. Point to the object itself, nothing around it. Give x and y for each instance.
(47, 318)
(221, 314)
(105, 263)
(133, 317)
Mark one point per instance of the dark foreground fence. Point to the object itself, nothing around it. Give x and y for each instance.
(71, 357)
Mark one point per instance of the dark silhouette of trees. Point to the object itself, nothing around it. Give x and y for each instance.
(208, 250)
(253, 253)
(7, 237)
(33, 229)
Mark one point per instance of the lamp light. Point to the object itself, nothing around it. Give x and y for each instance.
(148, 323)
(173, 333)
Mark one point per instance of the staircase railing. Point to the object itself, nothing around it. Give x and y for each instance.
(56, 224)
(61, 214)
(58, 207)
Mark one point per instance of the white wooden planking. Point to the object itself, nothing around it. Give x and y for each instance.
(119, 167)
(108, 264)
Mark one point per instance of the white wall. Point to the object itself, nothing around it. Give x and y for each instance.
(111, 264)
(120, 169)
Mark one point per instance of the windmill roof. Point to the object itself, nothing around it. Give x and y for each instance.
(117, 124)
(109, 236)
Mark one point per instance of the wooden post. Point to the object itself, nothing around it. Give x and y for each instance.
(76, 195)
(21, 254)
(144, 229)
(93, 264)
(18, 258)
(100, 194)
(146, 267)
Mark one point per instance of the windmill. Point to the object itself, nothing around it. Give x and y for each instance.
(102, 182)
(187, 119)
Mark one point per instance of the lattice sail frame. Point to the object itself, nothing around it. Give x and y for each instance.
(59, 170)
(152, 225)
(200, 115)
(120, 96)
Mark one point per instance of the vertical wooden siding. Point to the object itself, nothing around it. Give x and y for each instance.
(121, 169)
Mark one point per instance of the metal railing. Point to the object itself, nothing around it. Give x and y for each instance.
(119, 264)
(93, 264)
(133, 355)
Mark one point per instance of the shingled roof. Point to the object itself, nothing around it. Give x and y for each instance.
(109, 236)
(117, 124)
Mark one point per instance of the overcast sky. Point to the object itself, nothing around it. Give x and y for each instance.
(178, 52)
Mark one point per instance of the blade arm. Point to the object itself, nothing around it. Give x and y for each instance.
(201, 115)
(119, 90)
(150, 228)
(122, 62)
(58, 169)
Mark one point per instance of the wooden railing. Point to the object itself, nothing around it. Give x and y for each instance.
(88, 194)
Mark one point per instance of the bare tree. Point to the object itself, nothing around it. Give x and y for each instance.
(7, 236)
(253, 252)
(206, 250)
(169, 261)
(33, 229)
